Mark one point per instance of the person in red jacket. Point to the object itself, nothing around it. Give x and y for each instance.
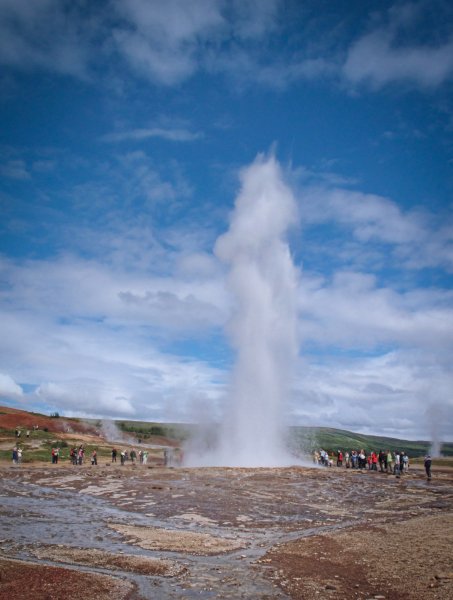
(374, 461)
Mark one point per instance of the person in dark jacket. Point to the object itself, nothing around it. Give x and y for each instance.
(428, 463)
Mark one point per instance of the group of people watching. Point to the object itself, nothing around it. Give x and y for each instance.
(132, 456)
(142, 456)
(77, 455)
(395, 463)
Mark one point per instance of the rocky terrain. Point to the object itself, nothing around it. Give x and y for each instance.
(140, 531)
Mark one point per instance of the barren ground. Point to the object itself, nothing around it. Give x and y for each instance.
(137, 532)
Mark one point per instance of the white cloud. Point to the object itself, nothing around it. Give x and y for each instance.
(395, 392)
(168, 43)
(416, 238)
(172, 135)
(379, 57)
(352, 311)
(85, 397)
(8, 387)
(69, 329)
(369, 216)
(161, 41)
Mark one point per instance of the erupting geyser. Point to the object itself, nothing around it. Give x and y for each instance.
(262, 330)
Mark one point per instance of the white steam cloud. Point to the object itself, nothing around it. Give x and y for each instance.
(262, 329)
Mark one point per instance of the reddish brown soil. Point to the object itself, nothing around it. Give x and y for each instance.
(405, 561)
(64, 428)
(27, 581)
(12, 418)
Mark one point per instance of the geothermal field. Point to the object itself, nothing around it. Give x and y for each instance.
(145, 531)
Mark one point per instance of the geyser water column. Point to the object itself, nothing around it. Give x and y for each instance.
(263, 330)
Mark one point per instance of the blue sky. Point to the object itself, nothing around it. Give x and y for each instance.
(124, 128)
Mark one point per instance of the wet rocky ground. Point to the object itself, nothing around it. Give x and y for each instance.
(136, 532)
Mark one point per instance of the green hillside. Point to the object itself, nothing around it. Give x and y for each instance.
(308, 438)
(301, 439)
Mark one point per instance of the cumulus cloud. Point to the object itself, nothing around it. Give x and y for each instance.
(9, 388)
(353, 311)
(93, 339)
(84, 397)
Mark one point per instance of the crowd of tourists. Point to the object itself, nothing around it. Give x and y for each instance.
(133, 456)
(141, 456)
(383, 461)
(77, 456)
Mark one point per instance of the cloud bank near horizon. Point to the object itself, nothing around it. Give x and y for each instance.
(112, 333)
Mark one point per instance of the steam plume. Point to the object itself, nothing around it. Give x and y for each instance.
(262, 329)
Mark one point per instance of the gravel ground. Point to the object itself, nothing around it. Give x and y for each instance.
(135, 532)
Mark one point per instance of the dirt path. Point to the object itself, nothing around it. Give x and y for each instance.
(138, 532)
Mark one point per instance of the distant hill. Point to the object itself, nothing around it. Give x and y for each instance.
(330, 439)
(22, 420)
(301, 439)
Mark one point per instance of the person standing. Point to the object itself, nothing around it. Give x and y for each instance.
(397, 463)
(405, 462)
(428, 463)
(389, 462)
(346, 458)
(381, 458)
(374, 461)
